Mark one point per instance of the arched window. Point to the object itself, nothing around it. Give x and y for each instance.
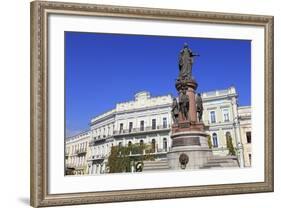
(215, 140)
(120, 144)
(227, 136)
(165, 144)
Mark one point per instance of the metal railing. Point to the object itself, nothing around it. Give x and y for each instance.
(97, 157)
(81, 151)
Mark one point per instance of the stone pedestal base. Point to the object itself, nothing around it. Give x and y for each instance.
(193, 144)
(185, 126)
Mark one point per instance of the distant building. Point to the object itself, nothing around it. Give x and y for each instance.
(244, 113)
(76, 154)
(222, 116)
(148, 120)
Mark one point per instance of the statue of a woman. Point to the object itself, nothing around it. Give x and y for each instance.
(186, 62)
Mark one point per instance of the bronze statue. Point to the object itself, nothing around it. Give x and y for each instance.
(199, 106)
(185, 62)
(175, 111)
(184, 104)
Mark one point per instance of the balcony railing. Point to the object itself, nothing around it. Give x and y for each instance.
(81, 151)
(98, 157)
(141, 129)
(75, 166)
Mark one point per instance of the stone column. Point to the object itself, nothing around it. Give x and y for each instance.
(192, 85)
(90, 167)
(94, 169)
(237, 132)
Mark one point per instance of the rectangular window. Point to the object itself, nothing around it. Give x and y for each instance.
(130, 126)
(249, 137)
(164, 123)
(121, 128)
(225, 113)
(213, 116)
(165, 145)
(153, 123)
(142, 125)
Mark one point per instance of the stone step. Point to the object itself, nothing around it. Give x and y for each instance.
(222, 159)
(220, 162)
(210, 166)
(219, 157)
(156, 165)
(166, 167)
(155, 162)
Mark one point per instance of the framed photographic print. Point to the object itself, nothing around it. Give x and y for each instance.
(142, 103)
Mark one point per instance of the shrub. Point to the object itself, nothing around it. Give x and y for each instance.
(229, 145)
(210, 142)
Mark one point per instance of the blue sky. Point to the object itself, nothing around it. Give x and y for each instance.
(104, 69)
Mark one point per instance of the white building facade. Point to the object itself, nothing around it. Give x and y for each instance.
(244, 113)
(222, 116)
(148, 120)
(76, 154)
(144, 120)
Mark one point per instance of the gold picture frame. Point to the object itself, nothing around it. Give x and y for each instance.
(39, 103)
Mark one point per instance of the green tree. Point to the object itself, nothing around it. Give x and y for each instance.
(121, 158)
(229, 144)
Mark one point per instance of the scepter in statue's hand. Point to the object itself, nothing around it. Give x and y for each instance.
(194, 54)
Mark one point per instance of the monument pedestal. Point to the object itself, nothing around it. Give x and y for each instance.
(190, 148)
(193, 144)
